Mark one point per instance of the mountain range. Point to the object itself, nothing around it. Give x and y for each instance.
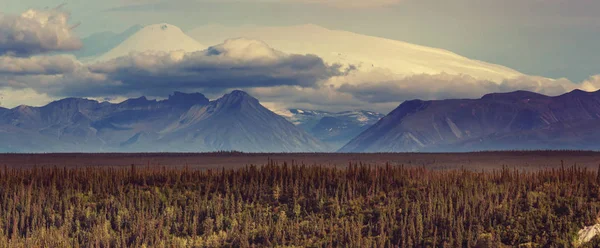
(498, 121)
(181, 123)
(237, 121)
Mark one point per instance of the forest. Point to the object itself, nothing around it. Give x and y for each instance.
(296, 205)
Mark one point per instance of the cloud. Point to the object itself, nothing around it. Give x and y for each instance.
(446, 86)
(591, 84)
(13, 97)
(35, 32)
(275, 78)
(38, 65)
(235, 63)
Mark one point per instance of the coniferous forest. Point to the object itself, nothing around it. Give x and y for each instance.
(291, 205)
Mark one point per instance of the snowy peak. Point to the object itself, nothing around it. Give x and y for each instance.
(305, 117)
(335, 129)
(161, 37)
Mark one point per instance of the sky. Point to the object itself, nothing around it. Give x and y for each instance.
(552, 39)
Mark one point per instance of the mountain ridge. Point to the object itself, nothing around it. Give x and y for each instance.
(139, 124)
(268, 132)
(496, 121)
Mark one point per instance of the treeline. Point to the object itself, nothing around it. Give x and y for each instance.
(295, 205)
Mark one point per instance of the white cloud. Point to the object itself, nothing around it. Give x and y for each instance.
(35, 32)
(591, 84)
(14, 97)
(446, 86)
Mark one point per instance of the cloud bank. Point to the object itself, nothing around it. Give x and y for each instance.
(237, 63)
(446, 86)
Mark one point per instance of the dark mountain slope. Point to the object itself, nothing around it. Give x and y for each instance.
(237, 121)
(515, 120)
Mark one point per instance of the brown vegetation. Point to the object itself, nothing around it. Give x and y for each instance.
(295, 205)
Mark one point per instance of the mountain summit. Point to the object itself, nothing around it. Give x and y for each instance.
(237, 121)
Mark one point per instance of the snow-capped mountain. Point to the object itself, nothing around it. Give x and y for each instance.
(183, 122)
(157, 37)
(366, 52)
(335, 129)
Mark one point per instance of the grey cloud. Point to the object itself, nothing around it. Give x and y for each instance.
(235, 63)
(35, 32)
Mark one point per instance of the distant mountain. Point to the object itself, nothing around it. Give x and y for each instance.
(237, 121)
(499, 121)
(100, 43)
(364, 52)
(158, 37)
(335, 129)
(183, 122)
